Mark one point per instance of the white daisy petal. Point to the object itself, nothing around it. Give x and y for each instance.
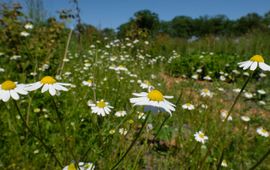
(5, 95)
(14, 95)
(264, 66)
(52, 90)
(247, 65)
(59, 87)
(64, 84)
(168, 97)
(21, 90)
(143, 94)
(45, 88)
(34, 86)
(253, 66)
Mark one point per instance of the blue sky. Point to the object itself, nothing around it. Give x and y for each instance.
(112, 13)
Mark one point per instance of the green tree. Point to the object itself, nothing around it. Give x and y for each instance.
(181, 26)
(143, 24)
(249, 22)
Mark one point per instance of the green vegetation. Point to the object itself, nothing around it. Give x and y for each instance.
(211, 128)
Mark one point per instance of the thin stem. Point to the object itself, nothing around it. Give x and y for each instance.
(237, 97)
(166, 118)
(66, 51)
(228, 115)
(191, 153)
(90, 147)
(194, 149)
(63, 131)
(260, 160)
(220, 159)
(37, 137)
(132, 144)
(160, 127)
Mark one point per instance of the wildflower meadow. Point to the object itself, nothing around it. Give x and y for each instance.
(79, 99)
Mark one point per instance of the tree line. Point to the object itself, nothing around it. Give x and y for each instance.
(148, 23)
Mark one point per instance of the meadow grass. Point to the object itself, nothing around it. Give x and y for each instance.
(62, 129)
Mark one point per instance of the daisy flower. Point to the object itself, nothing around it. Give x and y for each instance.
(120, 68)
(262, 75)
(141, 115)
(200, 137)
(195, 76)
(28, 26)
(237, 90)
(120, 113)
(188, 106)
(206, 93)
(261, 131)
(112, 131)
(123, 131)
(24, 34)
(153, 98)
(248, 95)
(221, 89)
(246, 74)
(101, 108)
(224, 163)
(261, 102)
(11, 89)
(82, 166)
(207, 78)
(261, 91)
(88, 83)
(245, 118)
(253, 63)
(224, 114)
(146, 85)
(222, 78)
(48, 83)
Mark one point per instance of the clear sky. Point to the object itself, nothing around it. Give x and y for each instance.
(112, 13)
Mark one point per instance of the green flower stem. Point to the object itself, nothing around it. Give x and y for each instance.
(166, 118)
(221, 159)
(190, 154)
(37, 137)
(260, 160)
(132, 144)
(160, 127)
(63, 132)
(228, 115)
(90, 147)
(237, 97)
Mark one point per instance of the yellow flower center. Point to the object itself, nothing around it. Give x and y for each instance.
(48, 80)
(87, 166)
(205, 90)
(101, 104)
(71, 167)
(257, 58)
(201, 135)
(264, 131)
(155, 95)
(8, 85)
(89, 81)
(147, 82)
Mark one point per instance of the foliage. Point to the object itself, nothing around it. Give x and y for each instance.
(186, 27)
(116, 68)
